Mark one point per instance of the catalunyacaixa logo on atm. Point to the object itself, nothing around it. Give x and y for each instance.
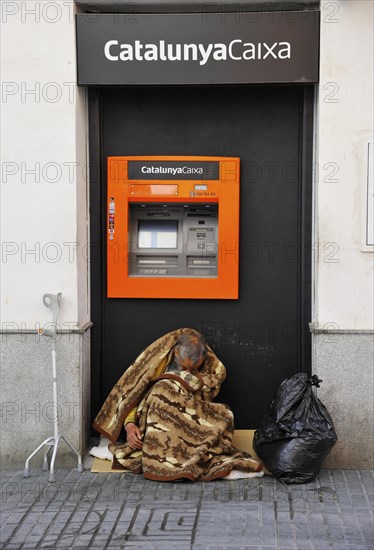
(173, 170)
(237, 50)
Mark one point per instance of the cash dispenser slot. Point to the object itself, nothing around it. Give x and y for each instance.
(203, 266)
(147, 266)
(196, 261)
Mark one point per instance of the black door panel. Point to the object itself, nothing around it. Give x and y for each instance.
(263, 337)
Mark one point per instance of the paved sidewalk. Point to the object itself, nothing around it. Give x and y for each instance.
(126, 511)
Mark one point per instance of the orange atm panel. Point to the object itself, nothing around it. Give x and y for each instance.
(173, 227)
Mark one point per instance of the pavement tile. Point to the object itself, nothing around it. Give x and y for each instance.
(33, 540)
(6, 532)
(106, 529)
(83, 540)
(71, 529)
(363, 512)
(15, 518)
(65, 542)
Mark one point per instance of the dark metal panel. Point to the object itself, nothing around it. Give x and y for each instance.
(305, 227)
(193, 6)
(97, 231)
(262, 337)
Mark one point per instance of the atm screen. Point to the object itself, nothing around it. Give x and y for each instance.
(157, 233)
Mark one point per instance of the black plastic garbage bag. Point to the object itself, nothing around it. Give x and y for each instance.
(297, 433)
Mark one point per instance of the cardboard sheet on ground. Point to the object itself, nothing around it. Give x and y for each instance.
(242, 439)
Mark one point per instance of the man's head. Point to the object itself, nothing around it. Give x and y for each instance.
(190, 351)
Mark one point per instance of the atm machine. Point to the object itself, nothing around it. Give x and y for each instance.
(173, 227)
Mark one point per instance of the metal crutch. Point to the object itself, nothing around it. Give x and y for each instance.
(52, 301)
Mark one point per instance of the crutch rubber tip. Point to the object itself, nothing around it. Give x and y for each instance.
(80, 468)
(26, 472)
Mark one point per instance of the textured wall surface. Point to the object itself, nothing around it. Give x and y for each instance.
(344, 362)
(27, 404)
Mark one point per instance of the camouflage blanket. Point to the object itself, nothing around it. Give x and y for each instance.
(185, 434)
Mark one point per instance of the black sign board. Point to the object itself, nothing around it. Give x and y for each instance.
(172, 170)
(235, 48)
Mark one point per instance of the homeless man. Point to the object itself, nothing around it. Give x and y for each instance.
(174, 430)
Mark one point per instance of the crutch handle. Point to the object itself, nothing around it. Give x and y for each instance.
(52, 301)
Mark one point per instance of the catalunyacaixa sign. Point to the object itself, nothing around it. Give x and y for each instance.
(276, 47)
(172, 170)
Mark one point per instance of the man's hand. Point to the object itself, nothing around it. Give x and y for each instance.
(134, 438)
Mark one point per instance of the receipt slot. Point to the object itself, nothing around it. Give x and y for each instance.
(173, 227)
